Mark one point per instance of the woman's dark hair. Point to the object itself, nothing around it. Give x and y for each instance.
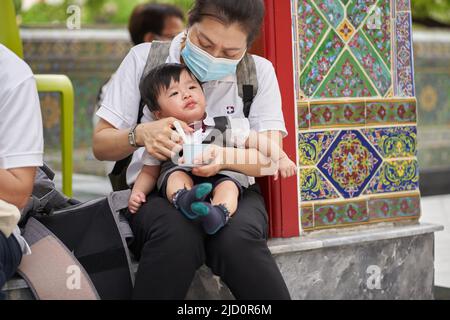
(248, 13)
(158, 79)
(150, 17)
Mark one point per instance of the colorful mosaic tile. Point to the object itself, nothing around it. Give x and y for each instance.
(307, 217)
(321, 64)
(391, 112)
(346, 79)
(350, 163)
(311, 29)
(303, 116)
(332, 10)
(396, 142)
(395, 207)
(403, 5)
(346, 30)
(313, 186)
(378, 30)
(338, 114)
(395, 176)
(360, 60)
(404, 86)
(376, 69)
(313, 145)
(358, 10)
(330, 215)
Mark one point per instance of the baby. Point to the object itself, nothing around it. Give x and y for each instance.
(170, 90)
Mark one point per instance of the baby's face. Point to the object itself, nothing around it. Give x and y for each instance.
(183, 100)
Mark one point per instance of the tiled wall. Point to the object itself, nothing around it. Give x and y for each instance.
(357, 136)
(88, 60)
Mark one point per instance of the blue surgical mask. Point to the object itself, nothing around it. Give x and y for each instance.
(206, 67)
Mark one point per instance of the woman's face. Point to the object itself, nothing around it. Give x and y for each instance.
(218, 39)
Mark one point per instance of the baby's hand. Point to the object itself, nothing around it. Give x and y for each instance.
(135, 201)
(286, 168)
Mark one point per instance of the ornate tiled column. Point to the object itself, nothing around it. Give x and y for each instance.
(356, 108)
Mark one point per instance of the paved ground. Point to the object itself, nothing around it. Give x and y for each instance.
(435, 209)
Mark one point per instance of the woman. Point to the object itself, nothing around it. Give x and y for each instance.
(170, 247)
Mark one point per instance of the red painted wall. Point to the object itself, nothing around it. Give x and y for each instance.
(275, 44)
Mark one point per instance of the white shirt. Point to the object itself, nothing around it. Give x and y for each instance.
(21, 137)
(121, 103)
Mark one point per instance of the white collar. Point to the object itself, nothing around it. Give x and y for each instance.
(175, 53)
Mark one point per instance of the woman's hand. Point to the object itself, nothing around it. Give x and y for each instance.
(213, 157)
(160, 140)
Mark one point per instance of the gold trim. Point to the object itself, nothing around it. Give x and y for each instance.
(375, 221)
(346, 100)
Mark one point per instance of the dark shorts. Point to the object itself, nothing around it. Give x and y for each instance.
(214, 180)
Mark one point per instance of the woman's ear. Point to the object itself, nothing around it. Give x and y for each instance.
(149, 37)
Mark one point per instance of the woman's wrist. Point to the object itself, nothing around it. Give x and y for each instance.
(139, 135)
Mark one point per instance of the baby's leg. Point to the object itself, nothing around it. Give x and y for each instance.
(227, 194)
(181, 192)
(177, 180)
(222, 206)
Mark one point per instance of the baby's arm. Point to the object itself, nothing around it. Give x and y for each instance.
(271, 149)
(144, 184)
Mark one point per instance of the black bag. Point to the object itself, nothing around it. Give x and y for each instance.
(93, 231)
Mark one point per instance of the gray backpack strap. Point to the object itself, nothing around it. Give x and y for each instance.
(247, 81)
(48, 268)
(159, 51)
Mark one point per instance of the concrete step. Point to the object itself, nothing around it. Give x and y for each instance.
(385, 261)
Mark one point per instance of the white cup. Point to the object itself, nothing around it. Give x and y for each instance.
(192, 151)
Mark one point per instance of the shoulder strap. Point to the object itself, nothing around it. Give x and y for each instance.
(159, 51)
(221, 124)
(247, 81)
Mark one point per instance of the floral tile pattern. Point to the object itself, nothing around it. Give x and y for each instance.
(313, 186)
(358, 10)
(310, 28)
(387, 112)
(337, 114)
(307, 217)
(313, 145)
(394, 176)
(327, 215)
(395, 142)
(346, 79)
(319, 66)
(332, 10)
(375, 67)
(378, 30)
(391, 208)
(403, 55)
(357, 137)
(350, 163)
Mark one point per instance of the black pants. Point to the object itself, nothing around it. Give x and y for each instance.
(171, 248)
(10, 257)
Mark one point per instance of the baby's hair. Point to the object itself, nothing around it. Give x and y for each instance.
(159, 79)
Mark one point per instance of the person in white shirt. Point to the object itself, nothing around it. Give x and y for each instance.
(21, 150)
(171, 90)
(171, 248)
